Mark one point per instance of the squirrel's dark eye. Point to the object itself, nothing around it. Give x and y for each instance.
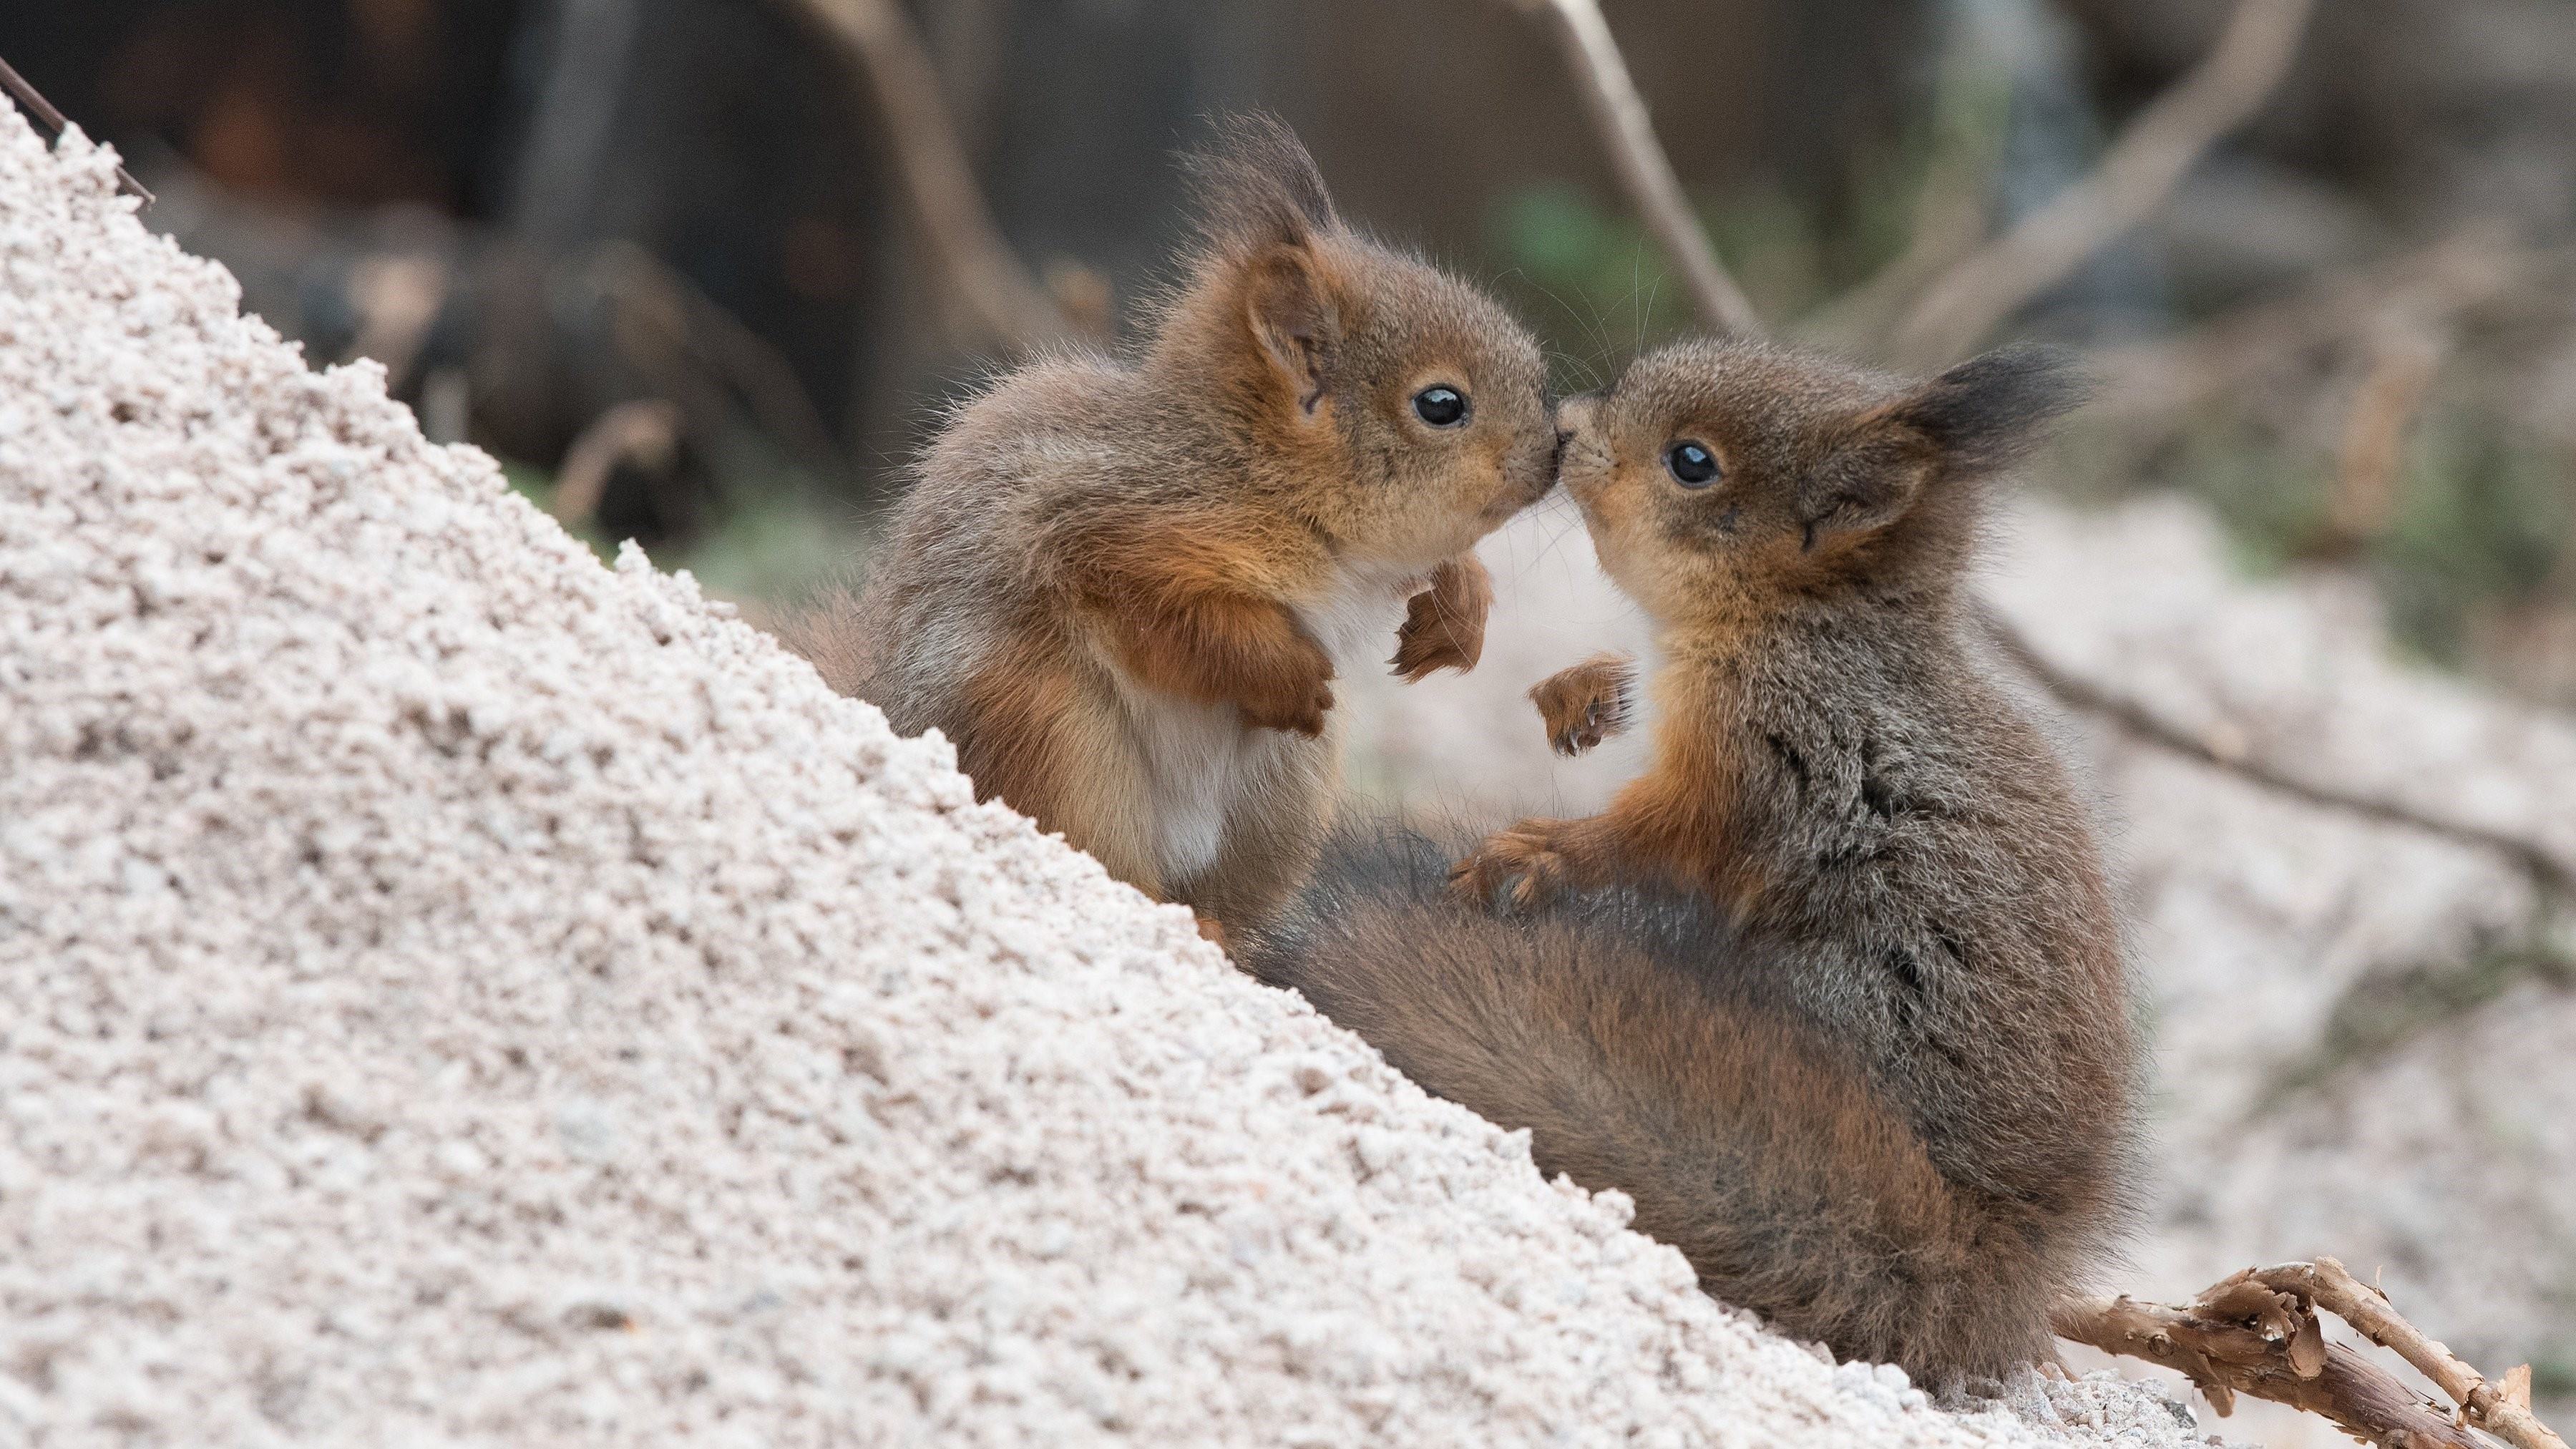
(1693, 465)
(1440, 406)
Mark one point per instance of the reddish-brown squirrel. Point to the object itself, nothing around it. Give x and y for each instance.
(1834, 990)
(1119, 585)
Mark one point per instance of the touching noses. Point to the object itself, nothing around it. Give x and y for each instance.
(1574, 415)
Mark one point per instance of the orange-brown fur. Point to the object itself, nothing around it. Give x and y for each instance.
(1444, 625)
(1183, 612)
(1120, 584)
(1586, 704)
(1883, 878)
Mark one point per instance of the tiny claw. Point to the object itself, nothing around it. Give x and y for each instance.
(1586, 704)
(1575, 739)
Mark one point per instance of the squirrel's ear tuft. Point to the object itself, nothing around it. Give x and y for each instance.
(1256, 187)
(1979, 416)
(1989, 410)
(1291, 314)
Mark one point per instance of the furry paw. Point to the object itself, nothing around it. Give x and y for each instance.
(1296, 698)
(1444, 625)
(1523, 864)
(1587, 704)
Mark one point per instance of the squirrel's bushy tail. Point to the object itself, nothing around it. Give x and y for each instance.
(1636, 1040)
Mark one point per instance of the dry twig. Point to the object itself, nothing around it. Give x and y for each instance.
(667, 326)
(2230, 753)
(986, 276)
(2257, 1333)
(2502, 1409)
(1619, 116)
(2164, 379)
(55, 122)
(2140, 170)
(645, 432)
(2223, 1358)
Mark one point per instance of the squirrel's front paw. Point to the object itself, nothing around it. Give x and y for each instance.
(1295, 699)
(1587, 704)
(1526, 858)
(1444, 625)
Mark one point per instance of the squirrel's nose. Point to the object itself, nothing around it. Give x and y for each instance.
(1575, 414)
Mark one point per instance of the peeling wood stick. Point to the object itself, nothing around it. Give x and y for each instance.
(987, 277)
(2502, 1410)
(2546, 869)
(2223, 1359)
(55, 122)
(2150, 158)
(1619, 115)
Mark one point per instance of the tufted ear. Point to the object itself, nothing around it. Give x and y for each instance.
(1988, 411)
(1980, 416)
(1256, 187)
(1290, 312)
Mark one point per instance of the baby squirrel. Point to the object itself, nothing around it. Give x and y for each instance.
(1835, 990)
(1120, 585)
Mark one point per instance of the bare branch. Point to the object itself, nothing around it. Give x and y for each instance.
(2225, 1355)
(2257, 1333)
(670, 328)
(2150, 157)
(2230, 754)
(1645, 172)
(2502, 1410)
(55, 122)
(983, 272)
(646, 432)
(2169, 376)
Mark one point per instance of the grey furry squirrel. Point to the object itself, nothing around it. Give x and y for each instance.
(1835, 989)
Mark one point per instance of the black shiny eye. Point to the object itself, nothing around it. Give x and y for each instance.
(1693, 466)
(1440, 406)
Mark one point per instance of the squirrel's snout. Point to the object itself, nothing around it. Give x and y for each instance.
(1574, 415)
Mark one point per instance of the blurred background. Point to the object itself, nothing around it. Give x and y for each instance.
(532, 211)
(662, 259)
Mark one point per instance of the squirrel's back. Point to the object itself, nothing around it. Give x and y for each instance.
(1649, 1047)
(959, 576)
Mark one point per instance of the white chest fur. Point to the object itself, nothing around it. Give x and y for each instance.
(1200, 761)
